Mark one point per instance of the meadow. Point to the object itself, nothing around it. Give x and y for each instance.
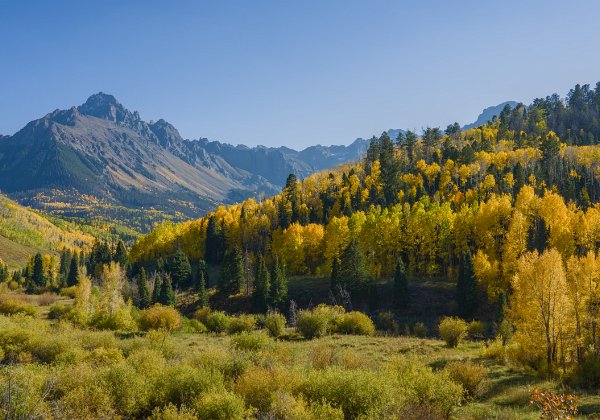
(178, 370)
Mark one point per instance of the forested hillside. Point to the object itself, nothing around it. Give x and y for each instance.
(502, 201)
(24, 233)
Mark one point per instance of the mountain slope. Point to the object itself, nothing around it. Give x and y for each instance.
(24, 233)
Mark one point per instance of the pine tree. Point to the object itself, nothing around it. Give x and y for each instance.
(466, 288)
(260, 295)
(354, 275)
(180, 269)
(212, 242)
(202, 293)
(279, 289)
(157, 288)
(37, 275)
(65, 264)
(167, 295)
(390, 171)
(143, 289)
(401, 295)
(73, 276)
(335, 275)
(232, 272)
(120, 255)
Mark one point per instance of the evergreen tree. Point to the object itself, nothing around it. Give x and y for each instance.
(215, 243)
(180, 269)
(410, 144)
(157, 288)
(167, 294)
(143, 289)
(502, 306)
(335, 275)
(37, 275)
(466, 288)
(354, 275)
(232, 272)
(260, 294)
(73, 276)
(65, 264)
(401, 295)
(390, 171)
(120, 255)
(202, 293)
(279, 289)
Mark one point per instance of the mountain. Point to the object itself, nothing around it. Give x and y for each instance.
(24, 232)
(489, 113)
(102, 160)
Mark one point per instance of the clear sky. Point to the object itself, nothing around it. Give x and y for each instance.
(292, 73)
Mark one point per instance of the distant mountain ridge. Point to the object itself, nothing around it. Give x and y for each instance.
(101, 155)
(488, 114)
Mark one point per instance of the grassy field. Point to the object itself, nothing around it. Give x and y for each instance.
(505, 395)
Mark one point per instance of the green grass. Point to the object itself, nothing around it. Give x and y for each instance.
(15, 254)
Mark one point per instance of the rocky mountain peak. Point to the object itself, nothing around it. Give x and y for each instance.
(105, 106)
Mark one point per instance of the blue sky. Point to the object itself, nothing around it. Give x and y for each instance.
(292, 73)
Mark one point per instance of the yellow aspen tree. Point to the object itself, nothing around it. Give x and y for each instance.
(540, 307)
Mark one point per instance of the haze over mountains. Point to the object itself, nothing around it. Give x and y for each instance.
(101, 159)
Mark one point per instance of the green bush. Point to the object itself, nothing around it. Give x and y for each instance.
(58, 311)
(12, 306)
(241, 323)
(355, 323)
(258, 385)
(472, 377)
(181, 383)
(420, 330)
(476, 330)
(311, 324)
(421, 387)
(217, 322)
(192, 326)
(159, 317)
(275, 323)
(357, 392)
(452, 330)
(220, 405)
(251, 341)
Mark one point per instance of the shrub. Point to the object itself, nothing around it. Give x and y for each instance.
(452, 330)
(69, 292)
(217, 322)
(587, 373)
(46, 299)
(476, 330)
(494, 350)
(159, 317)
(193, 326)
(356, 392)
(251, 341)
(471, 376)
(242, 323)
(420, 330)
(286, 406)
(555, 406)
(171, 412)
(202, 314)
(355, 323)
(58, 311)
(322, 356)
(258, 385)
(181, 383)
(120, 320)
(220, 405)
(421, 387)
(275, 323)
(311, 324)
(12, 306)
(386, 321)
